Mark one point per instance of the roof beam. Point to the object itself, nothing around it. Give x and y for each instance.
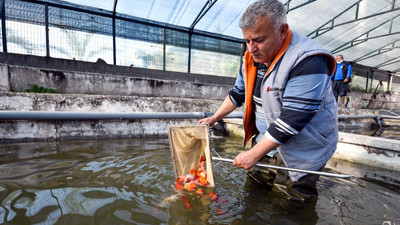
(365, 37)
(326, 27)
(378, 51)
(389, 62)
(288, 9)
(203, 12)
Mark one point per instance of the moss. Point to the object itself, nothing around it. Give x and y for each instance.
(36, 89)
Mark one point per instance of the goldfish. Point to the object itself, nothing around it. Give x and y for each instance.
(200, 192)
(192, 182)
(168, 200)
(187, 202)
(203, 181)
(190, 186)
(213, 196)
(195, 177)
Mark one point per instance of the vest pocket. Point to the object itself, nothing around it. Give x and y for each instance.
(315, 134)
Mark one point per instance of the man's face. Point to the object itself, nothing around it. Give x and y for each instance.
(262, 41)
(339, 59)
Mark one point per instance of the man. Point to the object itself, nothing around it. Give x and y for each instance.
(341, 79)
(284, 83)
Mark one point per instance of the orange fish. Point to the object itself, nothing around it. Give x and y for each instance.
(203, 181)
(192, 180)
(220, 210)
(213, 196)
(179, 186)
(190, 186)
(200, 192)
(187, 203)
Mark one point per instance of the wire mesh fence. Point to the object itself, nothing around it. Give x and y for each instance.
(65, 30)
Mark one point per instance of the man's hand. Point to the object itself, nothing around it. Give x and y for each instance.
(209, 120)
(226, 108)
(346, 80)
(245, 160)
(248, 159)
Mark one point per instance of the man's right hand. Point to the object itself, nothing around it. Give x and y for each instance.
(209, 120)
(226, 108)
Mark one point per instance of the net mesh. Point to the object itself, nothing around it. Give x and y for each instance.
(188, 143)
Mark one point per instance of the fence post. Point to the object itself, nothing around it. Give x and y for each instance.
(46, 22)
(190, 50)
(3, 24)
(114, 39)
(164, 49)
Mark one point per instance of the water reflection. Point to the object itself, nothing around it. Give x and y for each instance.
(125, 182)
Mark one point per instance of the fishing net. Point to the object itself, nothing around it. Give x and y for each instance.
(189, 148)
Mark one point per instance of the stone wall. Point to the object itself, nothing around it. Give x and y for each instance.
(19, 78)
(45, 130)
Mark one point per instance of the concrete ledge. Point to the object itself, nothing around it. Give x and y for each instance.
(10, 101)
(49, 63)
(18, 71)
(361, 149)
(373, 142)
(47, 130)
(72, 82)
(368, 150)
(28, 131)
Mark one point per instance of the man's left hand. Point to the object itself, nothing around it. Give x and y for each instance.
(346, 80)
(245, 160)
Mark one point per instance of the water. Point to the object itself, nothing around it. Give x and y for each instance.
(125, 182)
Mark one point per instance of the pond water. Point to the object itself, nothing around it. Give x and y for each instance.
(124, 181)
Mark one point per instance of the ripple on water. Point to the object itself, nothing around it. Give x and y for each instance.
(125, 182)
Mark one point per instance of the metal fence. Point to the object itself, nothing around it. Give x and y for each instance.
(64, 30)
(69, 31)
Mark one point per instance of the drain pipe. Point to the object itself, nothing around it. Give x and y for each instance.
(46, 115)
(378, 118)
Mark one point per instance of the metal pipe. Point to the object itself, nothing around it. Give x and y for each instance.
(340, 117)
(343, 176)
(345, 117)
(47, 115)
(40, 115)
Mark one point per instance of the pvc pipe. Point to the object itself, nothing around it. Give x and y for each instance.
(41, 115)
(344, 117)
(47, 115)
(344, 176)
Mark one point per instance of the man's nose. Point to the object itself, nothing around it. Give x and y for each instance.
(252, 47)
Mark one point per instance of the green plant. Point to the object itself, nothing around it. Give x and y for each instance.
(356, 88)
(36, 89)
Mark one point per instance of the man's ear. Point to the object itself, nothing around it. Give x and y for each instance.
(283, 31)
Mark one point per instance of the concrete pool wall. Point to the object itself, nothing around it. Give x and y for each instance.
(44, 130)
(99, 79)
(98, 87)
(361, 149)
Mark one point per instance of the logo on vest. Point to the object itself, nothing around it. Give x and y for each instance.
(274, 89)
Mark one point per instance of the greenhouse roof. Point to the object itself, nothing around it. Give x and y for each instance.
(364, 31)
